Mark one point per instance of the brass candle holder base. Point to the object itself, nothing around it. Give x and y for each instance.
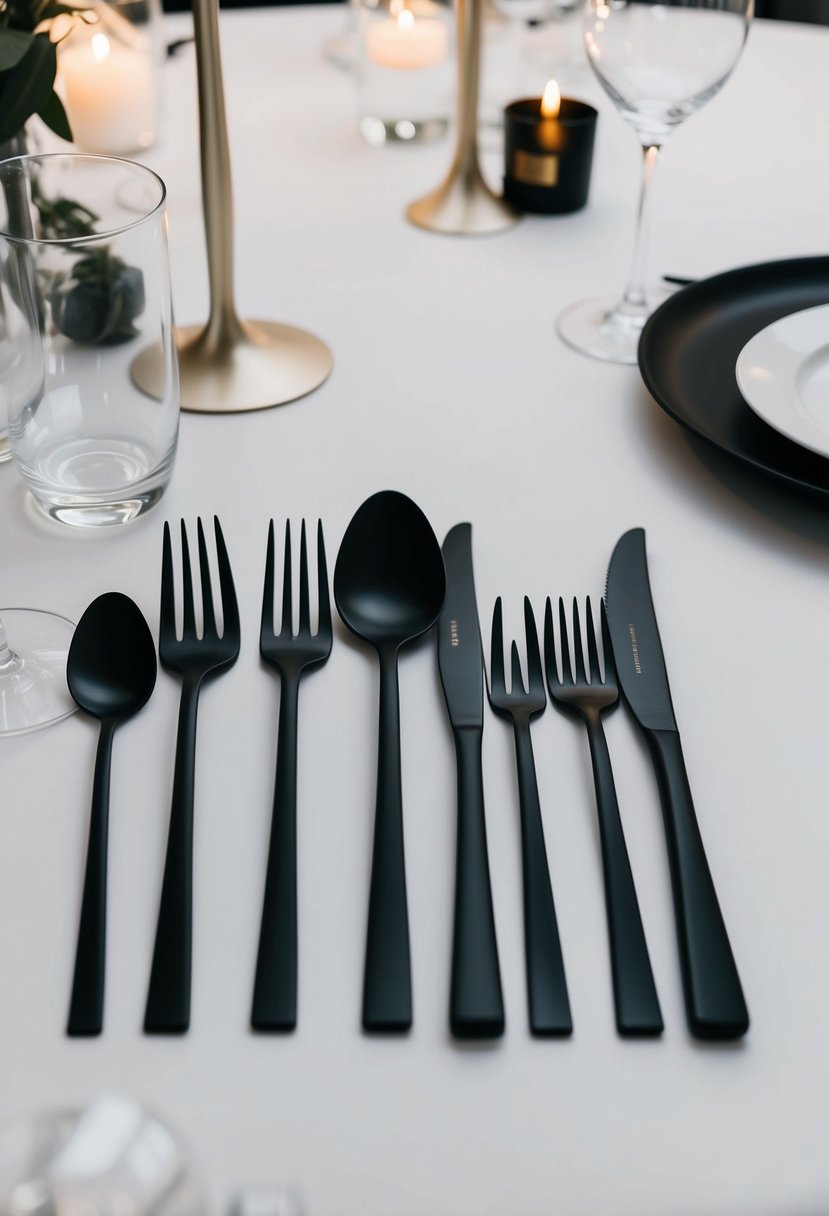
(463, 205)
(267, 364)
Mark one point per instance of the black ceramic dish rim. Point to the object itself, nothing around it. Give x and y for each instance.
(649, 377)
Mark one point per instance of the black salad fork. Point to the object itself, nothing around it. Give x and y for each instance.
(587, 696)
(291, 654)
(549, 1004)
(195, 657)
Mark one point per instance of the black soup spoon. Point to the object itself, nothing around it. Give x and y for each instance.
(111, 673)
(389, 585)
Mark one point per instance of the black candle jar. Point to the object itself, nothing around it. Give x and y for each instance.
(548, 160)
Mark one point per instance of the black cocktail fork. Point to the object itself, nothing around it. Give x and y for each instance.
(588, 697)
(549, 1004)
(195, 658)
(275, 986)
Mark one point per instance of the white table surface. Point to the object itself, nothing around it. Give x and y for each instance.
(449, 384)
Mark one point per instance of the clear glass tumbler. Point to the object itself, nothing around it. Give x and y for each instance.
(86, 295)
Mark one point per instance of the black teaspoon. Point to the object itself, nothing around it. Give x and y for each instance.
(111, 673)
(389, 584)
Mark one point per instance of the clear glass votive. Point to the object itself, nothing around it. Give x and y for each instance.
(404, 69)
(108, 76)
(86, 293)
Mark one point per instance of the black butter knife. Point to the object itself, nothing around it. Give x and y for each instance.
(714, 998)
(476, 1006)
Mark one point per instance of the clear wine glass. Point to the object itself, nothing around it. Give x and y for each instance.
(659, 63)
(33, 650)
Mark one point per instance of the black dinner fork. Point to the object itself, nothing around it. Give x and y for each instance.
(195, 657)
(588, 697)
(291, 654)
(549, 1004)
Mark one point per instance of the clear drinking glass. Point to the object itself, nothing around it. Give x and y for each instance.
(659, 63)
(86, 297)
(111, 1158)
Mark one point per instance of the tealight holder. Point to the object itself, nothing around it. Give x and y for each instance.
(548, 154)
(403, 71)
(108, 76)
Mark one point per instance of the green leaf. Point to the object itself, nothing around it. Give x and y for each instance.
(13, 46)
(25, 89)
(54, 115)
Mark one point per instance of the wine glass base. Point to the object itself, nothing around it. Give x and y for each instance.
(597, 328)
(33, 689)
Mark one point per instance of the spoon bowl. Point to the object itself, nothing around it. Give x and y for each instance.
(389, 586)
(111, 672)
(111, 667)
(389, 580)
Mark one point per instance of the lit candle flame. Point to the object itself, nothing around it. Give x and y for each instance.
(551, 101)
(405, 19)
(100, 47)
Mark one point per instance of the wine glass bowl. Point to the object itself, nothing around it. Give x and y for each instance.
(659, 63)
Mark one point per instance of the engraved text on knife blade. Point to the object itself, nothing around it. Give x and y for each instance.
(454, 636)
(634, 645)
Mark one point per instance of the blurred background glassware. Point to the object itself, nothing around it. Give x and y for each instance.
(86, 288)
(404, 69)
(553, 46)
(109, 77)
(659, 63)
(111, 1158)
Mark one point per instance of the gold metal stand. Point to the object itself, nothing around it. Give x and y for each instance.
(464, 205)
(230, 365)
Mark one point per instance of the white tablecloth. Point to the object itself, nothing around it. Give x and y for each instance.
(449, 384)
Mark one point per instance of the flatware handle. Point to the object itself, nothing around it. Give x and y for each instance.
(549, 1003)
(275, 986)
(387, 986)
(86, 1008)
(634, 989)
(168, 999)
(476, 1004)
(714, 998)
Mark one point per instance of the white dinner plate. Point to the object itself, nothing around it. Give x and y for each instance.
(783, 373)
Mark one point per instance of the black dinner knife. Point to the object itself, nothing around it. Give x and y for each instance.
(714, 1000)
(476, 1006)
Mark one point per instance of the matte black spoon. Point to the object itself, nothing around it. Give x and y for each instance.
(111, 673)
(389, 584)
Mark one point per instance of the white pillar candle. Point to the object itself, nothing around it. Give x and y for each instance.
(407, 41)
(109, 93)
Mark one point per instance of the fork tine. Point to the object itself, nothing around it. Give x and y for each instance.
(607, 646)
(592, 648)
(517, 678)
(550, 646)
(496, 675)
(324, 626)
(535, 678)
(287, 624)
(578, 649)
(566, 664)
(230, 608)
(189, 612)
(266, 627)
(304, 605)
(208, 614)
(168, 599)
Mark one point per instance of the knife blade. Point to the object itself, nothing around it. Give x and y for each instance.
(476, 1007)
(714, 1000)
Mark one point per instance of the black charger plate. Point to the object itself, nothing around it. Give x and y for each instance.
(688, 352)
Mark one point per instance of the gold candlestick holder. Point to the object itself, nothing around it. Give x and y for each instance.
(230, 365)
(463, 204)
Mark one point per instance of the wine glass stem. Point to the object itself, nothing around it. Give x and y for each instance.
(634, 301)
(9, 661)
